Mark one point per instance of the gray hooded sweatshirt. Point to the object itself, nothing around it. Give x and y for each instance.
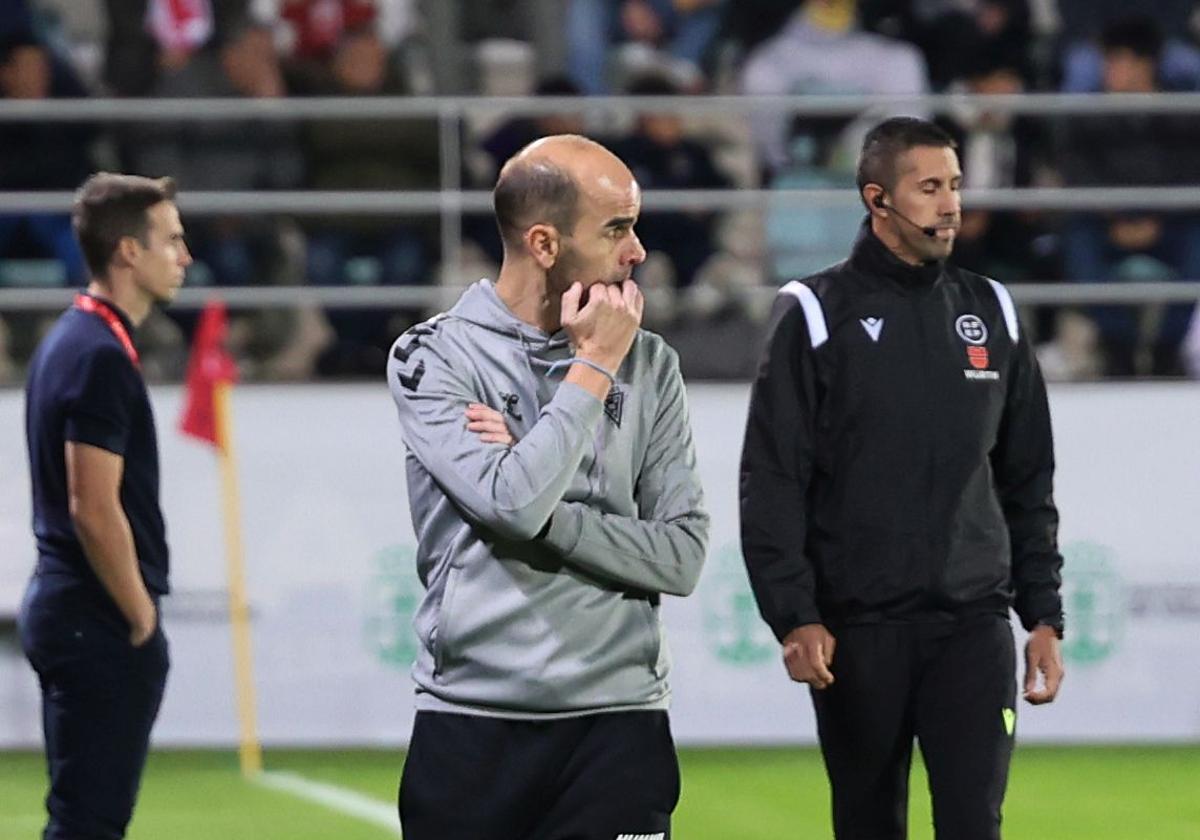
(520, 620)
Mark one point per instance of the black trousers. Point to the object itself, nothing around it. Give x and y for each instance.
(597, 777)
(100, 696)
(952, 687)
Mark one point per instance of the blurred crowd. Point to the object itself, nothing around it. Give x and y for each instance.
(703, 267)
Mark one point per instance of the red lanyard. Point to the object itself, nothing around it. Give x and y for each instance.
(106, 314)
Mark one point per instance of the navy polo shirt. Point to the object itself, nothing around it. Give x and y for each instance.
(83, 387)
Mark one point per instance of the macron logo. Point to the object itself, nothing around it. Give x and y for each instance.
(662, 835)
(873, 326)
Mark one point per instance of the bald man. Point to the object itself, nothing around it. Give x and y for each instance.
(554, 493)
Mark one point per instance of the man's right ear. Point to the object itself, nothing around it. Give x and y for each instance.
(543, 245)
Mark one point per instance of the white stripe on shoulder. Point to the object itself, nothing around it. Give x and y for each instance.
(814, 315)
(1006, 306)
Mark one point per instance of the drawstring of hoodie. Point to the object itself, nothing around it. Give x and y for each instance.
(527, 352)
(595, 475)
(566, 363)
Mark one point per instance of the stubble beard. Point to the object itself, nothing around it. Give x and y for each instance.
(930, 249)
(559, 276)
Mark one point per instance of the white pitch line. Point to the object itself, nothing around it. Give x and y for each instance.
(335, 798)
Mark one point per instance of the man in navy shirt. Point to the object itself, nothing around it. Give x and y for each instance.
(89, 623)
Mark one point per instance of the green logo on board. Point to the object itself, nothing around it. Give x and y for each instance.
(1094, 602)
(392, 597)
(733, 630)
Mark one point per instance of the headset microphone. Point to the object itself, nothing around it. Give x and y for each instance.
(928, 230)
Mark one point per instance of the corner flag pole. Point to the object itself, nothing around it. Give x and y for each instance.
(249, 749)
(208, 416)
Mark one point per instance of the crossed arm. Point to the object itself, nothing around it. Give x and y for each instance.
(660, 550)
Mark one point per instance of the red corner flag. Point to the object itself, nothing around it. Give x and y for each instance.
(210, 366)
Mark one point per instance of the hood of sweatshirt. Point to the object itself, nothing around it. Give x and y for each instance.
(482, 307)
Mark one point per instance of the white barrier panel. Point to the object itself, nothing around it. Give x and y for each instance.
(329, 550)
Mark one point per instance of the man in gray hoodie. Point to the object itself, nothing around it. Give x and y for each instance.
(555, 497)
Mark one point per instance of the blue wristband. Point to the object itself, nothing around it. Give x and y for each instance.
(566, 363)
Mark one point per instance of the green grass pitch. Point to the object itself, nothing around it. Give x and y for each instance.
(1061, 793)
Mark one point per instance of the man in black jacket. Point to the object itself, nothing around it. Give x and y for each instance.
(896, 502)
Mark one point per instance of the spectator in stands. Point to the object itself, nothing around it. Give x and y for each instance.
(683, 30)
(221, 155)
(515, 134)
(72, 32)
(1082, 56)
(317, 26)
(821, 51)
(1134, 150)
(309, 32)
(505, 141)
(999, 150)
(149, 37)
(40, 156)
(950, 32)
(662, 157)
(747, 23)
(393, 154)
(36, 249)
(802, 239)
(224, 155)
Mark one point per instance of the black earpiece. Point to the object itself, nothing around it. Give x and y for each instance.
(929, 231)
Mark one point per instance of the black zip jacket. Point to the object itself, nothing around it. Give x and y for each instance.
(898, 461)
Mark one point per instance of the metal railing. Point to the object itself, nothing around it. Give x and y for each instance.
(451, 201)
(332, 202)
(202, 109)
(419, 297)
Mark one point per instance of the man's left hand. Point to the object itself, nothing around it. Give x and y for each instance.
(1043, 655)
(489, 424)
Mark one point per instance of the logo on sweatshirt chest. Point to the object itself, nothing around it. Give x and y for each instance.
(614, 405)
(971, 329)
(974, 333)
(511, 401)
(873, 326)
